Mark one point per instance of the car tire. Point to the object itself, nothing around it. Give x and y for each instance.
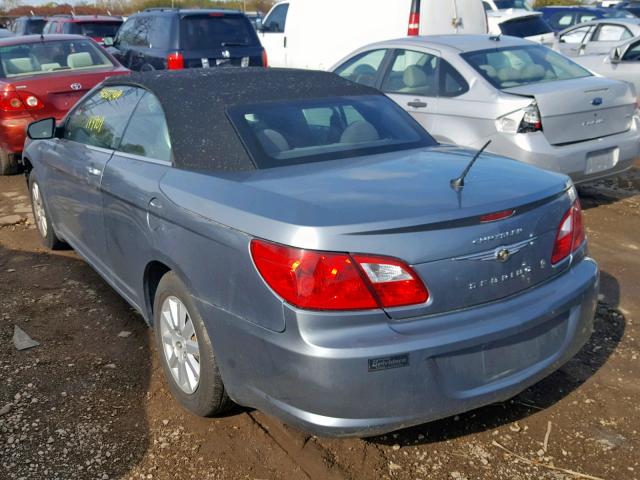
(175, 341)
(41, 216)
(8, 163)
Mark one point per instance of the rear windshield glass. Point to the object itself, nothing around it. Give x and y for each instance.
(95, 29)
(34, 27)
(515, 66)
(44, 57)
(295, 132)
(525, 27)
(199, 32)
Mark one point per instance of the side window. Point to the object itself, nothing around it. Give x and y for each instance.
(586, 17)
(561, 20)
(275, 22)
(147, 134)
(577, 35)
(412, 73)
(140, 32)
(101, 118)
(125, 33)
(611, 33)
(363, 68)
(452, 84)
(159, 33)
(633, 53)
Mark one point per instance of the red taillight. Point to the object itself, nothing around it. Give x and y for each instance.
(11, 101)
(414, 19)
(175, 61)
(336, 281)
(265, 59)
(570, 234)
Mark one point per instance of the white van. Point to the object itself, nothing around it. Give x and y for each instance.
(314, 34)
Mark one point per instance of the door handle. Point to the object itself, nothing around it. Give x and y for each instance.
(417, 104)
(96, 172)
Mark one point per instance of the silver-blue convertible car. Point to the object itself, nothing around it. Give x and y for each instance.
(301, 245)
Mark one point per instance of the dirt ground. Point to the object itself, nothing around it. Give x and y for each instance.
(90, 402)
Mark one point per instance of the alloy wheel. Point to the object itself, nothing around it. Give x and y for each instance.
(180, 344)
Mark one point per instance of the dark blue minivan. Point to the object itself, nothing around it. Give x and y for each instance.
(172, 38)
(563, 17)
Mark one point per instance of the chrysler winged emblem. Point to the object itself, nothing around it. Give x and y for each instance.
(226, 54)
(503, 255)
(76, 86)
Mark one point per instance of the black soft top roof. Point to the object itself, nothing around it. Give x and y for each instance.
(195, 103)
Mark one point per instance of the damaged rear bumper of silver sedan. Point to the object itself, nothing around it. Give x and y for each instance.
(583, 161)
(361, 374)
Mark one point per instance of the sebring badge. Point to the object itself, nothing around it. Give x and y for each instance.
(76, 86)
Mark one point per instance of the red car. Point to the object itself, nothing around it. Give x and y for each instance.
(44, 77)
(95, 26)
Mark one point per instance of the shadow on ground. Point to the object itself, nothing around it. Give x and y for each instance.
(609, 329)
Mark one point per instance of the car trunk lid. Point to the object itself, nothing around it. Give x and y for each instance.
(401, 205)
(59, 91)
(581, 109)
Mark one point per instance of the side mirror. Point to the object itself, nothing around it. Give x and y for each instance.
(616, 54)
(108, 41)
(42, 129)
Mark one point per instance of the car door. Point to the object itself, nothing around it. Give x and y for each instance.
(133, 201)
(91, 132)
(273, 37)
(411, 80)
(572, 42)
(453, 110)
(605, 37)
(628, 68)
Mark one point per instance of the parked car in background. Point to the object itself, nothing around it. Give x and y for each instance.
(563, 17)
(596, 37)
(44, 78)
(497, 5)
(295, 34)
(622, 63)
(28, 25)
(335, 212)
(97, 27)
(535, 105)
(172, 38)
(520, 23)
(255, 18)
(630, 7)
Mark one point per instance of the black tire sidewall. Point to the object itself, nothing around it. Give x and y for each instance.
(210, 397)
(8, 164)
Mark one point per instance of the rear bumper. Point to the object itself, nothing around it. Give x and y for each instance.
(379, 376)
(533, 148)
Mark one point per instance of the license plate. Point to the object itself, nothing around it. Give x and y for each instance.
(601, 161)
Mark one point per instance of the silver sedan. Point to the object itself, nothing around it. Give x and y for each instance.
(534, 104)
(621, 63)
(596, 37)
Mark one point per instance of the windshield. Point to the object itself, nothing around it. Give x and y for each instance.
(44, 57)
(202, 32)
(304, 131)
(95, 29)
(525, 65)
(525, 27)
